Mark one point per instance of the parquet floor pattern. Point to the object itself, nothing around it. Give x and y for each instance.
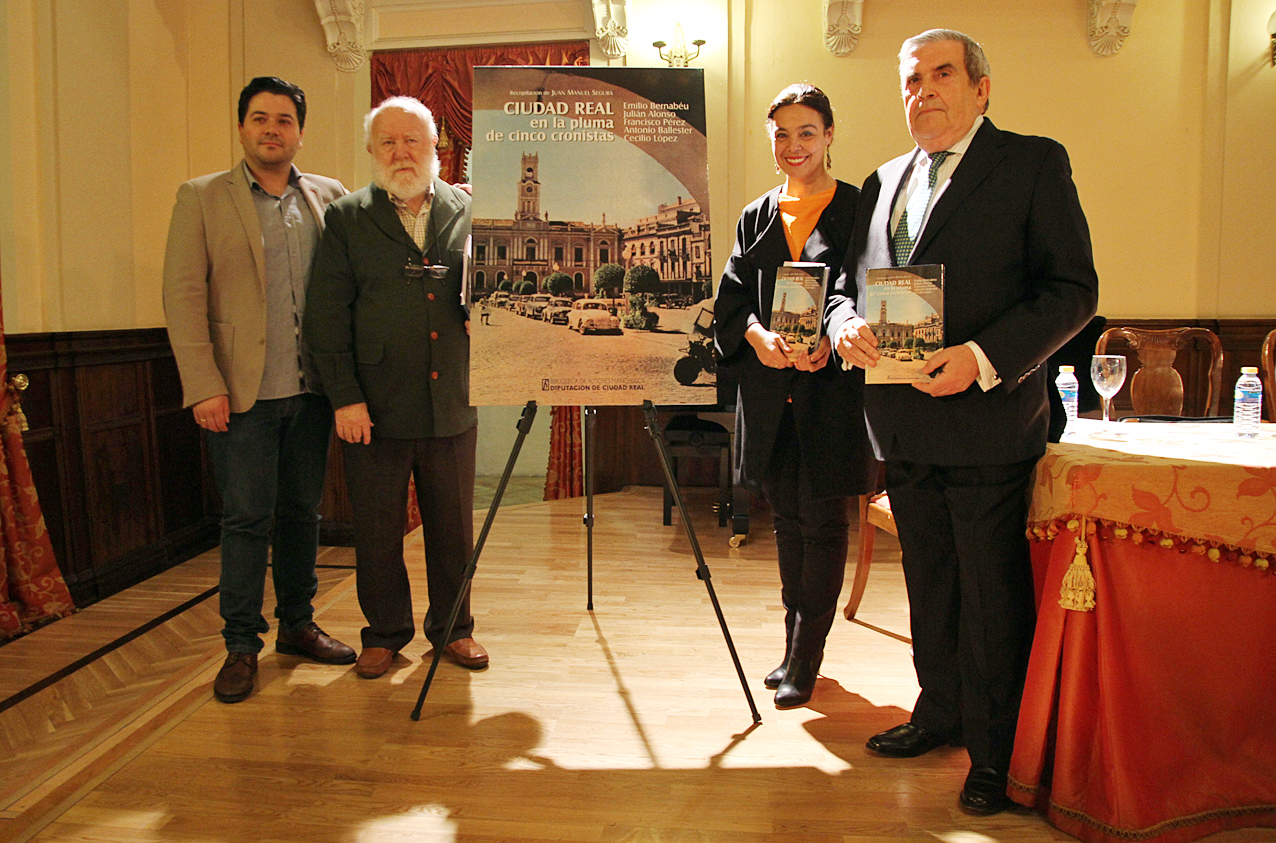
(84, 716)
(620, 725)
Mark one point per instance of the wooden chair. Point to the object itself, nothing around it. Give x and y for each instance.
(875, 514)
(1267, 368)
(1156, 388)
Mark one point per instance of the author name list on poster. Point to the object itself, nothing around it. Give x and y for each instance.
(655, 122)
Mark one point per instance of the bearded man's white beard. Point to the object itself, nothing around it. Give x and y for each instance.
(406, 184)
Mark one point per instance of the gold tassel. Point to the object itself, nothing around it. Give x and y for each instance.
(444, 142)
(17, 385)
(1077, 591)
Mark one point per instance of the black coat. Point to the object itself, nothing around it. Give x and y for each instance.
(827, 404)
(1019, 280)
(377, 337)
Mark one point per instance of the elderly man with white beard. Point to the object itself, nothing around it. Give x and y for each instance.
(389, 335)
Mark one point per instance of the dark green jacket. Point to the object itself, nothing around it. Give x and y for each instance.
(377, 336)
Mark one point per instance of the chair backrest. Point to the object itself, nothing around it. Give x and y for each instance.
(1157, 387)
(1267, 368)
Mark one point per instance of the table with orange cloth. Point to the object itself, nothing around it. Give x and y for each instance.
(1149, 711)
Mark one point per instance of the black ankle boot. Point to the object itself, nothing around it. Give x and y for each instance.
(775, 677)
(798, 683)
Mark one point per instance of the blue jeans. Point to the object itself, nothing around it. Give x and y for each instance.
(270, 466)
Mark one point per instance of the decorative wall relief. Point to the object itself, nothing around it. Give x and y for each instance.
(342, 22)
(611, 27)
(842, 22)
(1110, 22)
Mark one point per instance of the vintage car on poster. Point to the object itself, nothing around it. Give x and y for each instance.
(591, 316)
(556, 312)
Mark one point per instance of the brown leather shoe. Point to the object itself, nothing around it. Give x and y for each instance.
(467, 653)
(234, 681)
(314, 643)
(374, 662)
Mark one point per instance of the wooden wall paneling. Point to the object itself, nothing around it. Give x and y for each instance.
(116, 458)
(623, 453)
(336, 526)
(118, 464)
(626, 456)
(179, 469)
(1242, 346)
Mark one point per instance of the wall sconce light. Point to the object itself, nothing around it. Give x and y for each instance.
(678, 55)
(1271, 30)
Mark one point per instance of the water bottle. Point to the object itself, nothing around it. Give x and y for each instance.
(1067, 385)
(1247, 406)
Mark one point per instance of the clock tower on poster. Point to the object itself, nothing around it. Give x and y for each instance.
(529, 189)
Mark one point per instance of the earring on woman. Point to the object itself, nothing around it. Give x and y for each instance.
(828, 160)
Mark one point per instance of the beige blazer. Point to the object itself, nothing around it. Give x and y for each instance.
(215, 284)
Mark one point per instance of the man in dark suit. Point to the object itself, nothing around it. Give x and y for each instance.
(390, 338)
(1001, 213)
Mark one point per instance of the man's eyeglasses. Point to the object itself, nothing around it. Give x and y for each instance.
(416, 271)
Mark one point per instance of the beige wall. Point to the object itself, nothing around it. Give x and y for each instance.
(106, 105)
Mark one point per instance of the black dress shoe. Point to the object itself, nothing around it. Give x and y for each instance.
(905, 741)
(985, 791)
(798, 684)
(775, 677)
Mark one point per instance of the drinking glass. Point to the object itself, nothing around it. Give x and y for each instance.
(1108, 373)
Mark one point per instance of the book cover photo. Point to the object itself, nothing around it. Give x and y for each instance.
(798, 305)
(908, 304)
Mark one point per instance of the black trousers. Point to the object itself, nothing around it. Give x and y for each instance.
(811, 540)
(377, 481)
(970, 594)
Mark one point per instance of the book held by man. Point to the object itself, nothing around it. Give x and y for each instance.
(798, 305)
(904, 307)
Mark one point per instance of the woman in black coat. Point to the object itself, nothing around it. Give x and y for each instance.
(800, 434)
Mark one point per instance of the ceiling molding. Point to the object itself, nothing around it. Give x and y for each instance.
(407, 24)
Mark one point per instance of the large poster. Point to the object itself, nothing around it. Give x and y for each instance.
(591, 270)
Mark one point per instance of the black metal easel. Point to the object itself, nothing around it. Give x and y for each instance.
(591, 417)
(702, 570)
(524, 425)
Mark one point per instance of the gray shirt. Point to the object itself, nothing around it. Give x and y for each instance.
(289, 233)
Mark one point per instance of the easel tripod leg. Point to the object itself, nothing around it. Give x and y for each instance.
(702, 570)
(524, 426)
(591, 416)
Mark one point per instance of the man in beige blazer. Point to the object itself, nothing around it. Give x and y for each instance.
(235, 275)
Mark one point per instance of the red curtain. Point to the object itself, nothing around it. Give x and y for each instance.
(31, 586)
(443, 79)
(564, 477)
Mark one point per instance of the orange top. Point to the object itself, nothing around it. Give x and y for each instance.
(800, 216)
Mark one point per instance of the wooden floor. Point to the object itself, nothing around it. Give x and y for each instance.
(627, 723)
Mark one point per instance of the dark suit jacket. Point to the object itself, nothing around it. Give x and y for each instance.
(827, 405)
(1019, 280)
(378, 337)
